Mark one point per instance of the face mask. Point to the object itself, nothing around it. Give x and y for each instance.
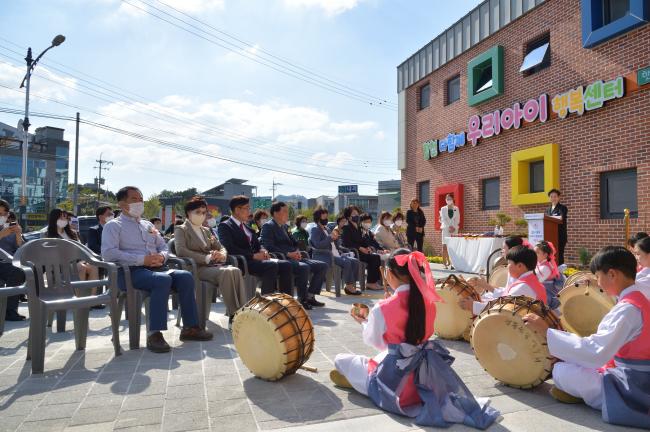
(107, 219)
(355, 219)
(450, 202)
(3, 220)
(263, 221)
(386, 222)
(399, 223)
(197, 219)
(212, 222)
(323, 222)
(136, 209)
(366, 225)
(62, 223)
(303, 225)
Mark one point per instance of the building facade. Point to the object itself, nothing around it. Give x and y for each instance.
(47, 170)
(522, 96)
(390, 195)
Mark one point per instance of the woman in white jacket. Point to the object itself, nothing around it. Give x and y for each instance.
(449, 223)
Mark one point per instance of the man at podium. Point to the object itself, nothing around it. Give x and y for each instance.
(556, 209)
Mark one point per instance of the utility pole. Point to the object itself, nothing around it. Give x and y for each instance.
(100, 180)
(75, 192)
(275, 186)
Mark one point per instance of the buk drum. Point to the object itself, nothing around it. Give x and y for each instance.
(508, 349)
(451, 320)
(499, 277)
(583, 304)
(273, 335)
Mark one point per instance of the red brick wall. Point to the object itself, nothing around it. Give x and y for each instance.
(613, 137)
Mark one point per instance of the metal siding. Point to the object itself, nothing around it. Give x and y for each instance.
(504, 12)
(467, 33)
(458, 38)
(423, 63)
(401, 130)
(429, 59)
(476, 27)
(494, 16)
(485, 20)
(528, 5)
(516, 8)
(436, 54)
(450, 45)
(443, 50)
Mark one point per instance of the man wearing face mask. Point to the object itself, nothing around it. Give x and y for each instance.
(129, 240)
(11, 239)
(275, 237)
(104, 214)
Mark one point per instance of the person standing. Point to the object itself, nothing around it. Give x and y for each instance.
(557, 209)
(415, 221)
(449, 224)
(11, 238)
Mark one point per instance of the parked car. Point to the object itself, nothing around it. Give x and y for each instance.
(85, 222)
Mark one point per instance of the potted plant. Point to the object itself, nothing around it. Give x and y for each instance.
(522, 227)
(584, 256)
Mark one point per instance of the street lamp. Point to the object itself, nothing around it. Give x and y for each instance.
(31, 64)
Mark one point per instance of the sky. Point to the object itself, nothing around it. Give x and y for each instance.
(298, 92)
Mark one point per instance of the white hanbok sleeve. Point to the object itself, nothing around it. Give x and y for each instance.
(523, 290)
(543, 273)
(374, 329)
(477, 307)
(621, 325)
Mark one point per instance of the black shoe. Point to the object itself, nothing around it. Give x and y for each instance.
(230, 320)
(98, 307)
(14, 316)
(156, 343)
(306, 305)
(316, 303)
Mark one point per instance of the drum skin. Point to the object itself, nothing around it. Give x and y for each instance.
(452, 321)
(499, 277)
(583, 304)
(506, 348)
(273, 335)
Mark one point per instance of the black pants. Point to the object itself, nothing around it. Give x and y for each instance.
(415, 239)
(11, 276)
(272, 272)
(373, 261)
(560, 251)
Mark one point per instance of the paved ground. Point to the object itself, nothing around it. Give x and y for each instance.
(204, 386)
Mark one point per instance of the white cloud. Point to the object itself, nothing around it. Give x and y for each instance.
(43, 83)
(333, 160)
(124, 11)
(330, 7)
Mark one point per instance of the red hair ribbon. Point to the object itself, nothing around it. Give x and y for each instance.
(525, 244)
(415, 261)
(555, 272)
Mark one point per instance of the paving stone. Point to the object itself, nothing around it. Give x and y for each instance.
(44, 426)
(134, 403)
(52, 412)
(173, 406)
(185, 422)
(229, 407)
(139, 418)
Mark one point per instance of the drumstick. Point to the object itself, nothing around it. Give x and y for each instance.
(309, 368)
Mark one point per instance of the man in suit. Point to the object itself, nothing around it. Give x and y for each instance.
(104, 214)
(238, 239)
(275, 237)
(557, 209)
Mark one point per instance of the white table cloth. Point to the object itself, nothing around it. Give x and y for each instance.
(470, 254)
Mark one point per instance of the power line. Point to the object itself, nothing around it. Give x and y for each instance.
(265, 62)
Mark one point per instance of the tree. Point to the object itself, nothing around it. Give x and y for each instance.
(152, 207)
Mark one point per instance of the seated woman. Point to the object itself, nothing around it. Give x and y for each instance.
(353, 239)
(367, 234)
(299, 232)
(412, 376)
(548, 273)
(195, 241)
(400, 230)
(59, 227)
(384, 235)
(320, 239)
(260, 217)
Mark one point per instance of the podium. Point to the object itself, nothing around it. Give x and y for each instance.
(543, 227)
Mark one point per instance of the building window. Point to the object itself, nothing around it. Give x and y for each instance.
(491, 194)
(425, 96)
(423, 193)
(453, 89)
(485, 76)
(538, 55)
(603, 20)
(617, 193)
(536, 172)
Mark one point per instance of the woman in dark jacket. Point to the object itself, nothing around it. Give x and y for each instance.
(353, 239)
(415, 221)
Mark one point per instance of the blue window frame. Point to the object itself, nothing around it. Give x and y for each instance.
(605, 19)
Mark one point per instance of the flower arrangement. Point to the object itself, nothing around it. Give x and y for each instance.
(570, 270)
(435, 259)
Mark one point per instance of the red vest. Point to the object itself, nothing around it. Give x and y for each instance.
(534, 283)
(639, 348)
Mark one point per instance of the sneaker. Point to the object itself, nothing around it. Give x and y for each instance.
(339, 379)
(312, 301)
(156, 343)
(564, 397)
(195, 333)
(306, 305)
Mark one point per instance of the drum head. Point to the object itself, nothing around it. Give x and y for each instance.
(583, 308)
(451, 321)
(508, 350)
(260, 347)
(499, 277)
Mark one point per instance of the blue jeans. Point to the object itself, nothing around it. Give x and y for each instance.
(301, 271)
(158, 285)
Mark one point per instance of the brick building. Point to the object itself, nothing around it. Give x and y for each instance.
(521, 96)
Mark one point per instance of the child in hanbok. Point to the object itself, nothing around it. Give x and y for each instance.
(642, 252)
(412, 376)
(609, 370)
(548, 273)
(480, 284)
